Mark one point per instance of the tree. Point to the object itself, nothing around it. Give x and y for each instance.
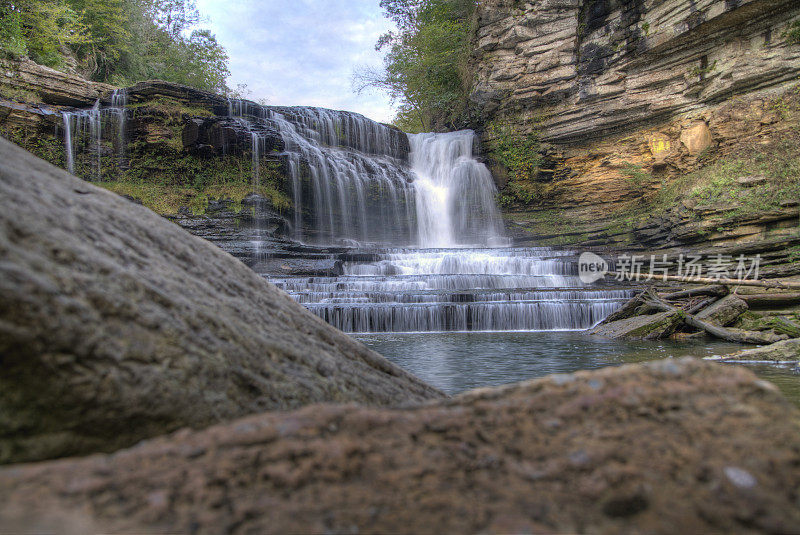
(117, 41)
(425, 67)
(39, 29)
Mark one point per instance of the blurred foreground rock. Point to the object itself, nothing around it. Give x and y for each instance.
(675, 446)
(116, 325)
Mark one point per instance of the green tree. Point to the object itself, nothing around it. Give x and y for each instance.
(117, 41)
(107, 52)
(40, 29)
(425, 67)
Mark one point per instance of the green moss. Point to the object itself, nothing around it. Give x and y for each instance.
(188, 180)
(172, 107)
(50, 149)
(636, 176)
(168, 199)
(18, 94)
(792, 33)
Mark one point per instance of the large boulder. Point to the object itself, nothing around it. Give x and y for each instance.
(117, 325)
(675, 446)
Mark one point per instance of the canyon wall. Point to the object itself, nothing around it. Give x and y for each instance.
(589, 68)
(654, 88)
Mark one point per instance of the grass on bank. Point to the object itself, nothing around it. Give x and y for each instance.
(718, 182)
(168, 199)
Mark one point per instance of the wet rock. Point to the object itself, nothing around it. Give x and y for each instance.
(117, 325)
(784, 351)
(670, 446)
(723, 312)
(645, 327)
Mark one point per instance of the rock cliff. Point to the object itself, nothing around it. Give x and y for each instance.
(585, 69)
(626, 98)
(117, 325)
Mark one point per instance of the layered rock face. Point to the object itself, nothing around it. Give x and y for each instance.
(582, 69)
(50, 85)
(664, 447)
(117, 325)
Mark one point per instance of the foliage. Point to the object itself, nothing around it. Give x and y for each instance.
(116, 41)
(792, 33)
(426, 61)
(40, 29)
(702, 71)
(519, 155)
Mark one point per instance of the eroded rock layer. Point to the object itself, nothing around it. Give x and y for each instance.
(664, 447)
(582, 69)
(117, 325)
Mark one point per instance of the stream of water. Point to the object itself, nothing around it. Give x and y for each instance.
(423, 271)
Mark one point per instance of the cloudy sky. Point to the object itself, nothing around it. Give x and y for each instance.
(301, 52)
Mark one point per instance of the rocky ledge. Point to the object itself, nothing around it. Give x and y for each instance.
(665, 447)
(117, 325)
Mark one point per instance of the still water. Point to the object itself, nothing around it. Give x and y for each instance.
(455, 362)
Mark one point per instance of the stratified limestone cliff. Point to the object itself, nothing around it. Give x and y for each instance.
(628, 99)
(588, 68)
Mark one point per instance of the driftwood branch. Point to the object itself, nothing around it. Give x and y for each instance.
(731, 335)
(771, 300)
(716, 290)
(701, 305)
(704, 280)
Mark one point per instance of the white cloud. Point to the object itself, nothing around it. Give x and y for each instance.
(302, 52)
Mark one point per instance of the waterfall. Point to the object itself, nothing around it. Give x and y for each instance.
(349, 181)
(67, 119)
(119, 99)
(430, 248)
(455, 194)
(83, 129)
(497, 289)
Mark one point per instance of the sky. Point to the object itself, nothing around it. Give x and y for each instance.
(302, 52)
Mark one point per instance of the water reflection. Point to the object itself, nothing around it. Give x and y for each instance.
(455, 362)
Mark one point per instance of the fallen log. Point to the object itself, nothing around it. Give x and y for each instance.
(771, 300)
(701, 305)
(705, 280)
(731, 335)
(715, 290)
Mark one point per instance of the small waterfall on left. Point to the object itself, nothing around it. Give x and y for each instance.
(83, 135)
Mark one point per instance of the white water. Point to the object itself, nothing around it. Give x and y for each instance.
(455, 194)
(83, 135)
(510, 289)
(430, 240)
(348, 181)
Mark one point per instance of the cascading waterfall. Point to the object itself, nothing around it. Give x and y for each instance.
(85, 129)
(352, 184)
(417, 214)
(455, 194)
(349, 183)
(456, 290)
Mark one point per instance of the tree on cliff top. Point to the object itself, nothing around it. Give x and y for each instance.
(426, 61)
(116, 41)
